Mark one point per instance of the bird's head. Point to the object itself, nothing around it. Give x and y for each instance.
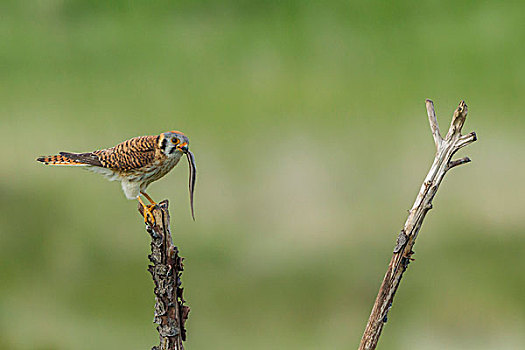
(175, 143)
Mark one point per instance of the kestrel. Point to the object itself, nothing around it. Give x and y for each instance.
(136, 163)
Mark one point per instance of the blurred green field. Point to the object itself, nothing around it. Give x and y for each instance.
(309, 128)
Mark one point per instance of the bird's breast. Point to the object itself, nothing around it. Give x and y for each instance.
(154, 171)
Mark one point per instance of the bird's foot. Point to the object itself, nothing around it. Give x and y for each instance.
(148, 211)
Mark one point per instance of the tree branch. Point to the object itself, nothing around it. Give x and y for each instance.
(434, 127)
(166, 270)
(443, 162)
(454, 163)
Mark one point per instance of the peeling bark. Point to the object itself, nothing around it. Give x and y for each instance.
(166, 270)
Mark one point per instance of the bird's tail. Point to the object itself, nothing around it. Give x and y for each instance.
(65, 158)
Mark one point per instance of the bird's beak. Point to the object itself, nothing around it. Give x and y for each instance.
(193, 177)
(183, 147)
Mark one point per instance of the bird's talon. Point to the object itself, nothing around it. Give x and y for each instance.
(148, 212)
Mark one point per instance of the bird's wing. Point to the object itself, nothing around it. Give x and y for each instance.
(131, 154)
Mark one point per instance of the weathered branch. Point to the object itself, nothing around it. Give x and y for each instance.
(443, 162)
(434, 126)
(166, 269)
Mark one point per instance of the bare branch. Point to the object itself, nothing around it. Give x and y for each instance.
(458, 119)
(423, 203)
(434, 126)
(170, 311)
(455, 163)
(465, 140)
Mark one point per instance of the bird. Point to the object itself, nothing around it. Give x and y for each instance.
(136, 163)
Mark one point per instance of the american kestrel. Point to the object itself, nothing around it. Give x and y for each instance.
(136, 163)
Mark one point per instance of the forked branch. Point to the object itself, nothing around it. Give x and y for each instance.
(166, 269)
(445, 150)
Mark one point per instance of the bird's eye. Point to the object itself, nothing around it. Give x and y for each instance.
(175, 140)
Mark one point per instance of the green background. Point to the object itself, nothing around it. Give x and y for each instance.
(308, 123)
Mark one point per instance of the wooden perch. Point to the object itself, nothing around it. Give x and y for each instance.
(446, 148)
(166, 269)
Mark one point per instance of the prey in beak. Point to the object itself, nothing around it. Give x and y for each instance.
(183, 147)
(193, 172)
